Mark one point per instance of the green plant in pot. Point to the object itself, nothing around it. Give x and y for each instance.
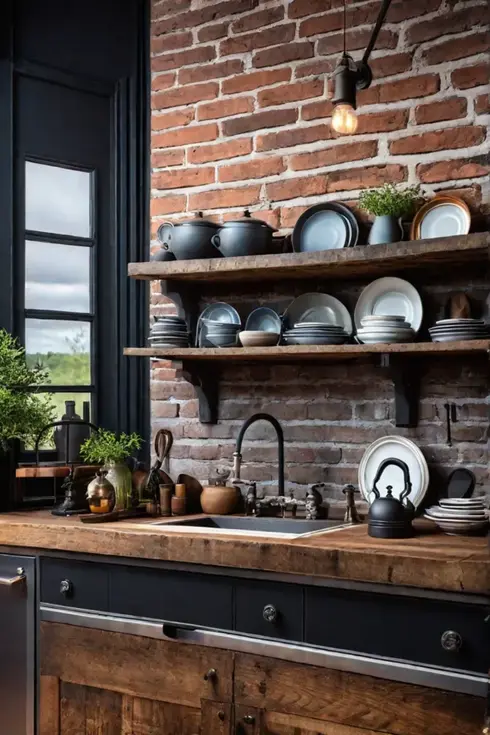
(112, 451)
(389, 204)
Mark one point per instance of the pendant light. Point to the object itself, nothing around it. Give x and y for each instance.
(351, 76)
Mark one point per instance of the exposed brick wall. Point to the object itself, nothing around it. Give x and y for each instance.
(241, 118)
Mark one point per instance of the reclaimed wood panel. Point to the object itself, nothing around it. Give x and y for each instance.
(134, 665)
(353, 700)
(147, 717)
(375, 260)
(216, 718)
(49, 705)
(277, 723)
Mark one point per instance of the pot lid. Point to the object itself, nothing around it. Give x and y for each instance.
(198, 221)
(248, 220)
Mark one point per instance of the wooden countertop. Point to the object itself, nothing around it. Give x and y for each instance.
(430, 560)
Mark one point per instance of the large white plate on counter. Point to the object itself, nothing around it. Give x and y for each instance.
(392, 297)
(400, 448)
(320, 308)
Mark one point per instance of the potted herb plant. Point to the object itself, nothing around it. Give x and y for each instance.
(389, 204)
(112, 451)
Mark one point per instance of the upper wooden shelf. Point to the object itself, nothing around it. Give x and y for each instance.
(368, 260)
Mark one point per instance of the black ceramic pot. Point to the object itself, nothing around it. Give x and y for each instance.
(190, 239)
(245, 236)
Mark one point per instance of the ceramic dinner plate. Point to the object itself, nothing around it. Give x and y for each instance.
(263, 319)
(394, 447)
(318, 307)
(218, 312)
(390, 296)
(443, 216)
(326, 226)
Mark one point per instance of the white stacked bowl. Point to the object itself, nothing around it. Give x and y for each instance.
(384, 329)
(459, 516)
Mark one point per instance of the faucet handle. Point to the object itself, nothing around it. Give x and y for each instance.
(239, 481)
(350, 490)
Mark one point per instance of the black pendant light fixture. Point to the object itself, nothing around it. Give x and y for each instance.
(351, 76)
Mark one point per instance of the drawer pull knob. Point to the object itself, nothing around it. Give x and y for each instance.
(221, 715)
(451, 641)
(211, 675)
(249, 719)
(270, 614)
(66, 587)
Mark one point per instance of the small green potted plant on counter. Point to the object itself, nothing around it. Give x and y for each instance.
(112, 451)
(389, 205)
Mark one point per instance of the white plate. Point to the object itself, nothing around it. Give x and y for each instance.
(445, 220)
(392, 297)
(458, 321)
(462, 501)
(318, 307)
(457, 338)
(387, 318)
(324, 230)
(455, 528)
(400, 448)
(263, 319)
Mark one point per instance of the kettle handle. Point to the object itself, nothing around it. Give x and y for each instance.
(406, 476)
(216, 241)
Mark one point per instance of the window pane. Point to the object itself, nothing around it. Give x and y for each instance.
(57, 277)
(62, 347)
(58, 200)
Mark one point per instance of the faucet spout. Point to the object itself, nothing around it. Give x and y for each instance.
(280, 446)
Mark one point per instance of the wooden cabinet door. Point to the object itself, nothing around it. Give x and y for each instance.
(99, 683)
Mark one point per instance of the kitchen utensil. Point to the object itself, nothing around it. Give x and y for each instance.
(443, 216)
(389, 516)
(190, 239)
(244, 236)
(217, 312)
(258, 339)
(193, 490)
(456, 527)
(392, 297)
(263, 319)
(219, 500)
(462, 503)
(318, 307)
(162, 255)
(314, 231)
(165, 492)
(457, 513)
(450, 330)
(398, 447)
(221, 340)
(146, 484)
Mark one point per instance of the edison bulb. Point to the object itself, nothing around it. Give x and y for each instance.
(344, 120)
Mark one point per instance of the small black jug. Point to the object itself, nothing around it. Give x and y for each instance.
(390, 517)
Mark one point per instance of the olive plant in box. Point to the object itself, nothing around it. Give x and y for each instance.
(389, 204)
(106, 448)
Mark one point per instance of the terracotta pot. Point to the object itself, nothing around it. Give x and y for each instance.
(219, 500)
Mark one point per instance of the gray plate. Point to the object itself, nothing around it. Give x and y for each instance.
(314, 340)
(263, 319)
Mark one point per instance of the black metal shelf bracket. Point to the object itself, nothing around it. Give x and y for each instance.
(406, 386)
(186, 298)
(205, 379)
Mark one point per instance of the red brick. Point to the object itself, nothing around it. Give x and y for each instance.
(390, 64)
(471, 76)
(295, 188)
(183, 178)
(402, 10)
(185, 96)
(172, 157)
(290, 215)
(449, 108)
(382, 122)
(260, 39)
(451, 22)
(163, 81)
(294, 137)
(482, 104)
(316, 110)
(206, 14)
(334, 155)
(259, 19)
(168, 7)
(256, 169)
(259, 121)
(283, 54)
(225, 108)
(178, 59)
(439, 140)
(457, 48)
(212, 32)
(286, 93)
(328, 22)
(224, 198)
(472, 195)
(313, 68)
(356, 40)
(205, 72)
(300, 8)
(177, 119)
(430, 173)
(167, 205)
(366, 177)
(165, 410)
(192, 134)
(220, 151)
(171, 42)
(255, 80)
(402, 89)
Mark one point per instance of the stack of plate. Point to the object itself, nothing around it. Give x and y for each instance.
(453, 330)
(221, 334)
(384, 329)
(315, 333)
(169, 331)
(457, 516)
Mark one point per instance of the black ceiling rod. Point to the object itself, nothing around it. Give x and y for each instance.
(374, 36)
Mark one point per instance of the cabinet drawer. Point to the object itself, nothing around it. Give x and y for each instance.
(180, 597)
(75, 584)
(398, 627)
(268, 609)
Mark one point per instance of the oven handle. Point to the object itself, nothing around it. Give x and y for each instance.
(382, 668)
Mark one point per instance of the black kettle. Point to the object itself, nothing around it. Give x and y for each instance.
(390, 517)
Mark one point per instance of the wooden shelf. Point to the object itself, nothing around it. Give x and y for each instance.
(370, 260)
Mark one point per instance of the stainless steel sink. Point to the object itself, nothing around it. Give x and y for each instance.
(252, 526)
